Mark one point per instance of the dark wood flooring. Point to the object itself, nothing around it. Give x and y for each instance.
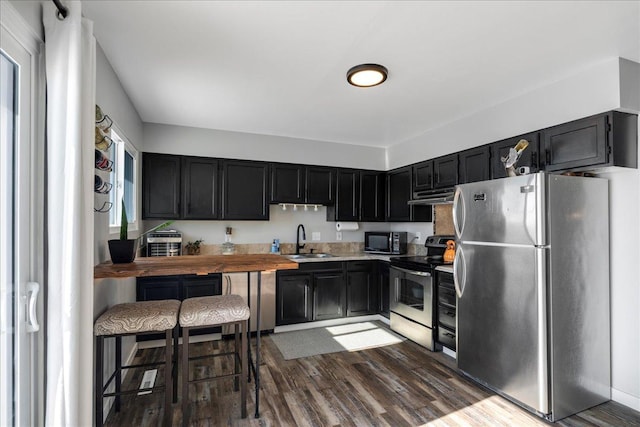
(397, 385)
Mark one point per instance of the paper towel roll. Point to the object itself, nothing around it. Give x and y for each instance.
(346, 226)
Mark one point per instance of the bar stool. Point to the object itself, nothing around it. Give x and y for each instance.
(133, 319)
(203, 312)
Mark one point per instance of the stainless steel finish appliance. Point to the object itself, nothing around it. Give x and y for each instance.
(385, 242)
(236, 283)
(164, 243)
(412, 295)
(532, 278)
(432, 197)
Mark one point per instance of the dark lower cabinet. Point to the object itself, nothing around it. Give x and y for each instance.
(362, 292)
(446, 309)
(294, 299)
(529, 156)
(180, 288)
(245, 190)
(328, 290)
(328, 295)
(383, 288)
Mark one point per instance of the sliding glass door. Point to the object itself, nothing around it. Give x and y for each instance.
(20, 236)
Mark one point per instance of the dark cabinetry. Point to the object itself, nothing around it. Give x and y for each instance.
(327, 290)
(320, 185)
(287, 183)
(372, 196)
(399, 186)
(329, 295)
(362, 292)
(179, 288)
(244, 190)
(160, 186)
(347, 204)
(294, 299)
(474, 165)
(383, 288)
(200, 188)
(603, 140)
(445, 171)
(446, 310)
(529, 156)
(423, 176)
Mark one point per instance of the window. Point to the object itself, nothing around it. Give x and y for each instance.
(123, 177)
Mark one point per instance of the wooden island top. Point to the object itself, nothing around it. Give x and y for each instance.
(193, 264)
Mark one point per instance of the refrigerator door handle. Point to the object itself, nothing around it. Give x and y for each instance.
(459, 277)
(458, 209)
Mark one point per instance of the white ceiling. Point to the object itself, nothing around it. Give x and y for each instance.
(278, 67)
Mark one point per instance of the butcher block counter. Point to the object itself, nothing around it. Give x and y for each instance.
(193, 264)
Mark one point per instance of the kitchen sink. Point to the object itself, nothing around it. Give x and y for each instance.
(302, 256)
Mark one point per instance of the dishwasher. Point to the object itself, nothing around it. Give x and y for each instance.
(236, 283)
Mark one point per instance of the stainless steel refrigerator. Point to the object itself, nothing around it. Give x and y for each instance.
(532, 276)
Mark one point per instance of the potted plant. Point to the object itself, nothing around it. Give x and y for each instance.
(193, 248)
(123, 250)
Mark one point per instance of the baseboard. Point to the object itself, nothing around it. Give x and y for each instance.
(332, 322)
(107, 403)
(625, 399)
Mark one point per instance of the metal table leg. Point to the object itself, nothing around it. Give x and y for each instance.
(255, 367)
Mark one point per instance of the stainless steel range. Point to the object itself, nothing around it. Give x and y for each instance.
(412, 296)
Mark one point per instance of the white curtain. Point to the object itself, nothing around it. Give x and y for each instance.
(70, 69)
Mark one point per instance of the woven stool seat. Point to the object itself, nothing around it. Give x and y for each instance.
(213, 310)
(138, 317)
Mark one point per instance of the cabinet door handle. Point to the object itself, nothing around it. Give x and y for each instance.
(534, 160)
(548, 156)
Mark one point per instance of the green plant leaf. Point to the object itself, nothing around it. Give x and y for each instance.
(124, 223)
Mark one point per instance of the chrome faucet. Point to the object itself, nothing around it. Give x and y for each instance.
(304, 237)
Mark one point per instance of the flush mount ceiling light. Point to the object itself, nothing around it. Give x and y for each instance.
(367, 75)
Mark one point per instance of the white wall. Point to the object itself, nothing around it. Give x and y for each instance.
(236, 145)
(610, 85)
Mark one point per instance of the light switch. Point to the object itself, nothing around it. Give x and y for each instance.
(315, 235)
(338, 235)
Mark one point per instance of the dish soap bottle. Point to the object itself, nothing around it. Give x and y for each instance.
(228, 248)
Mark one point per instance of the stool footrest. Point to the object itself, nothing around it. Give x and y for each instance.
(135, 391)
(218, 377)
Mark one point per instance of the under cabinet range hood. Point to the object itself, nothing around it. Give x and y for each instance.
(433, 197)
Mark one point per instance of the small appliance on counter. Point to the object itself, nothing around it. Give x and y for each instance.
(385, 242)
(164, 243)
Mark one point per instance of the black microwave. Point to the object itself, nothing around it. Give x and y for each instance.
(385, 242)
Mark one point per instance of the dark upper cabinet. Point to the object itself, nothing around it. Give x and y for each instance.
(529, 156)
(320, 184)
(329, 295)
(423, 176)
(445, 171)
(200, 188)
(347, 205)
(362, 292)
(398, 194)
(160, 186)
(294, 302)
(608, 139)
(287, 183)
(474, 165)
(244, 190)
(372, 196)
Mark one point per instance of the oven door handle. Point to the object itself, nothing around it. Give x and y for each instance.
(417, 273)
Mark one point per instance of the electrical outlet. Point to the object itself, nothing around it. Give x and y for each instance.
(418, 237)
(315, 235)
(338, 235)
